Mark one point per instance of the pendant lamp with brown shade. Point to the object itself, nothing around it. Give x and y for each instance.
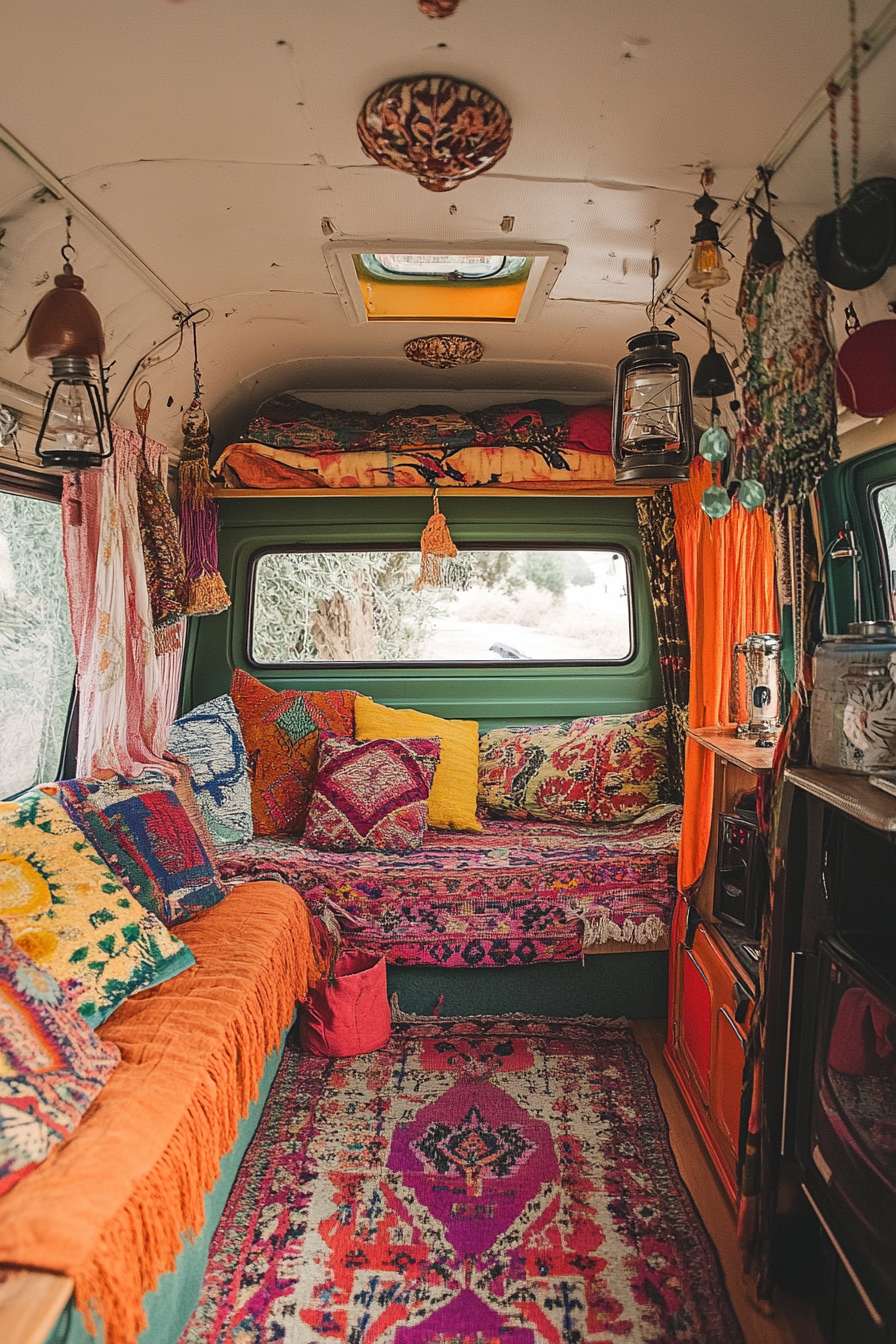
(66, 329)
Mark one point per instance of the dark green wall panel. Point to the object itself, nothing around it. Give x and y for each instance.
(499, 694)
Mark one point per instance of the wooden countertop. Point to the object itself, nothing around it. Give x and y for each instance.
(853, 794)
(741, 751)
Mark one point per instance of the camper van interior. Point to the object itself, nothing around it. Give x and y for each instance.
(448, 672)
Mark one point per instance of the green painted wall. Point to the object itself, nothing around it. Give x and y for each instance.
(501, 694)
(846, 496)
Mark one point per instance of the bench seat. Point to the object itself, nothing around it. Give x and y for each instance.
(515, 893)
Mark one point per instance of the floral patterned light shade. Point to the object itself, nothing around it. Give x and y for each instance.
(441, 130)
(444, 352)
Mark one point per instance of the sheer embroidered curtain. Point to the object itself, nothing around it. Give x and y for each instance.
(127, 694)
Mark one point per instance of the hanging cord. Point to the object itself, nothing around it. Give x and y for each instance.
(197, 317)
(654, 275)
(834, 91)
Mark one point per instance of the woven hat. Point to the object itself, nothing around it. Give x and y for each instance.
(856, 244)
(866, 370)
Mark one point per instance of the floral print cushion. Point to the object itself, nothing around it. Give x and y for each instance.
(372, 795)
(52, 1065)
(590, 771)
(208, 738)
(281, 730)
(72, 916)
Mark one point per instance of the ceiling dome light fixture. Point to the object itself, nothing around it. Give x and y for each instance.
(438, 9)
(66, 329)
(707, 270)
(443, 131)
(444, 352)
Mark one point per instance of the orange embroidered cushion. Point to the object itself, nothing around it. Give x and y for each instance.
(281, 730)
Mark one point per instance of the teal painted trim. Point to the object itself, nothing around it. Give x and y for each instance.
(494, 695)
(845, 494)
(170, 1306)
(620, 984)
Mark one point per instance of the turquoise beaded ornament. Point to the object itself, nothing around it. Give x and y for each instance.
(751, 494)
(715, 501)
(714, 444)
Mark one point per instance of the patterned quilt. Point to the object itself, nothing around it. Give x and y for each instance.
(299, 445)
(516, 893)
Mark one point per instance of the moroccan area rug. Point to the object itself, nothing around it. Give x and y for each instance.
(477, 1181)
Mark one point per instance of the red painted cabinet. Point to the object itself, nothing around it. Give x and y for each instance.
(712, 1003)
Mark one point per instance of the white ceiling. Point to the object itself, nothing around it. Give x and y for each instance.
(212, 136)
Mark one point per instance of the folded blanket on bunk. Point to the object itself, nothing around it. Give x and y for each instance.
(295, 444)
(515, 893)
(109, 1206)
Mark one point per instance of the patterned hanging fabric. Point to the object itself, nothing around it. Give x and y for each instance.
(656, 524)
(788, 438)
(206, 591)
(163, 556)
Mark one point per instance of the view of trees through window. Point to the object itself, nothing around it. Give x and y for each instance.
(37, 657)
(501, 605)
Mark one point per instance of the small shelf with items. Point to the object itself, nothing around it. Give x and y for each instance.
(714, 959)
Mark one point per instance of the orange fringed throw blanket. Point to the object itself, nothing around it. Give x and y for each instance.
(109, 1207)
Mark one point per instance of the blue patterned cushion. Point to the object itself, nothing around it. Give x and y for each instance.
(51, 1064)
(148, 838)
(210, 741)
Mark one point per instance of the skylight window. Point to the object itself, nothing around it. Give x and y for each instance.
(459, 266)
(464, 283)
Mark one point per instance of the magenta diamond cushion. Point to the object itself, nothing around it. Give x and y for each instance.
(371, 795)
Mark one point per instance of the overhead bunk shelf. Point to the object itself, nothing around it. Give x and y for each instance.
(604, 489)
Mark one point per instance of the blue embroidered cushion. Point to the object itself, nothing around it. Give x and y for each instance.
(148, 838)
(208, 738)
(52, 1064)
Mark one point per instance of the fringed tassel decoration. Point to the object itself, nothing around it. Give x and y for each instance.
(206, 591)
(435, 546)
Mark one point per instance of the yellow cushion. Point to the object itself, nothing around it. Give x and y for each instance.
(452, 799)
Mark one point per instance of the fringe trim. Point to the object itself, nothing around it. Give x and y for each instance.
(606, 930)
(207, 596)
(143, 1241)
(421, 1019)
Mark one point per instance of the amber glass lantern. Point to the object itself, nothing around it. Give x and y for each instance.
(653, 425)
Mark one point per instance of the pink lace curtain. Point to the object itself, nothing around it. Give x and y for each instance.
(127, 695)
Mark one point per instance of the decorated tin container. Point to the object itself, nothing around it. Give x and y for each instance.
(852, 723)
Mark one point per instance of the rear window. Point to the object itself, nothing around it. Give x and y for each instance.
(37, 656)
(502, 606)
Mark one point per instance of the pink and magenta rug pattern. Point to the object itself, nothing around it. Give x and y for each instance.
(477, 1181)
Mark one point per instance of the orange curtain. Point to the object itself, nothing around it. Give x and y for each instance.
(728, 572)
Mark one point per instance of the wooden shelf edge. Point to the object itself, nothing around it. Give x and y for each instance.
(602, 491)
(853, 794)
(30, 1303)
(740, 751)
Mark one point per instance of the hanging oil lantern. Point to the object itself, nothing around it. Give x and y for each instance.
(65, 328)
(653, 425)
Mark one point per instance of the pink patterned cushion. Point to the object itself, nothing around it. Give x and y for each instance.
(371, 795)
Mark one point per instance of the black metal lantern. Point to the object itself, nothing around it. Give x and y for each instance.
(65, 328)
(653, 423)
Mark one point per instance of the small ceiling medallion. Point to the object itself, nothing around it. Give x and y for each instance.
(444, 352)
(441, 130)
(438, 9)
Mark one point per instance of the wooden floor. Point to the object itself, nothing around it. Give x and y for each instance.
(794, 1321)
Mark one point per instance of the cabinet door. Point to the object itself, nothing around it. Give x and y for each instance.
(727, 1078)
(696, 1020)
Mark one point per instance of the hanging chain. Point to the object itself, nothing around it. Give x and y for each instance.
(654, 276)
(834, 91)
(197, 376)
